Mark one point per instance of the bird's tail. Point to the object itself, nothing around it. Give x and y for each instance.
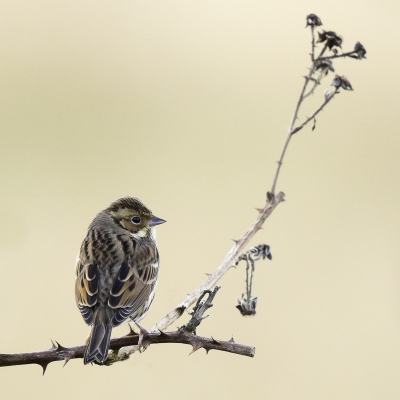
(99, 339)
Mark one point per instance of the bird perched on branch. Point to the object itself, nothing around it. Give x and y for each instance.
(117, 270)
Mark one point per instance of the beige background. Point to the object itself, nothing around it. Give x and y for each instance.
(186, 105)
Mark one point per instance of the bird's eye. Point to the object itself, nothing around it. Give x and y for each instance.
(136, 220)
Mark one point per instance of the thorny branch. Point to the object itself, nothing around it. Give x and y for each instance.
(61, 353)
(331, 41)
(312, 42)
(328, 98)
(184, 335)
(316, 81)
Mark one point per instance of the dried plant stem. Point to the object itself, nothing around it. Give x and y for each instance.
(316, 82)
(292, 128)
(312, 43)
(289, 135)
(349, 53)
(327, 100)
(248, 286)
(296, 129)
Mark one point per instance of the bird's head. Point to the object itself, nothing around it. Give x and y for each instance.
(133, 216)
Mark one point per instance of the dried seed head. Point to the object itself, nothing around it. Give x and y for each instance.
(360, 50)
(313, 20)
(331, 39)
(247, 307)
(342, 82)
(261, 251)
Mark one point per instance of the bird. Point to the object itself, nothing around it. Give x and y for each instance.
(116, 271)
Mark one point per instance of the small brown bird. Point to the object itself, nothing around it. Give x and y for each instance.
(117, 270)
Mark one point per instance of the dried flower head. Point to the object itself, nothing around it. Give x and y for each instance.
(331, 39)
(313, 20)
(261, 251)
(360, 50)
(246, 307)
(324, 64)
(342, 82)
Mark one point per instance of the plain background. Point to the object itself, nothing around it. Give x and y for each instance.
(186, 105)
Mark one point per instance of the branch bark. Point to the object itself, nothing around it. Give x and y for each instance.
(61, 353)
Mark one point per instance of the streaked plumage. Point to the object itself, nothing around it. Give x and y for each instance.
(117, 270)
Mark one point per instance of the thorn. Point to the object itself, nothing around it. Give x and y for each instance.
(67, 358)
(231, 340)
(131, 331)
(236, 241)
(207, 350)
(207, 274)
(163, 334)
(215, 341)
(59, 347)
(260, 210)
(142, 328)
(53, 347)
(195, 346)
(44, 366)
(315, 122)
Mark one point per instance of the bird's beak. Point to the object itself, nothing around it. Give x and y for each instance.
(156, 221)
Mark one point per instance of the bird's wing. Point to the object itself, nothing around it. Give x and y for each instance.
(86, 289)
(134, 284)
